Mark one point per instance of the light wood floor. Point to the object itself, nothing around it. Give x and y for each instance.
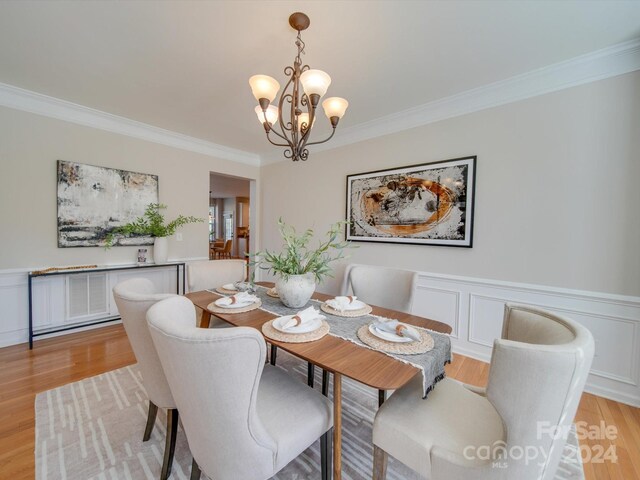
(57, 361)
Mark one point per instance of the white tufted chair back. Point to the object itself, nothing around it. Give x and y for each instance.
(385, 287)
(538, 372)
(209, 274)
(217, 398)
(133, 298)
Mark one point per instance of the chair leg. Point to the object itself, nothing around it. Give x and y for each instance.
(151, 421)
(325, 383)
(381, 397)
(379, 463)
(195, 471)
(170, 444)
(326, 454)
(311, 373)
(274, 353)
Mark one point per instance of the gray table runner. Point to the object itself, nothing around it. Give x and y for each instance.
(430, 363)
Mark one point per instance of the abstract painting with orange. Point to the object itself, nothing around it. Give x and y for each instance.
(427, 204)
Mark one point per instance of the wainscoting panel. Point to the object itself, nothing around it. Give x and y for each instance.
(14, 319)
(52, 305)
(485, 319)
(474, 308)
(441, 304)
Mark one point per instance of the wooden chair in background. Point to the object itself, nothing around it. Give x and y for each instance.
(224, 252)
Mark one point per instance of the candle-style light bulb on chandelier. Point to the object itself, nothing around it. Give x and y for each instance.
(304, 89)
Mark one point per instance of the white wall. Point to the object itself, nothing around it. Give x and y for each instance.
(557, 203)
(29, 147)
(556, 195)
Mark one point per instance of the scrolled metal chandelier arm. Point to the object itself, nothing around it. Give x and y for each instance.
(333, 132)
(304, 88)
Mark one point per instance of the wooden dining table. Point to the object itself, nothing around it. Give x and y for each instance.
(333, 354)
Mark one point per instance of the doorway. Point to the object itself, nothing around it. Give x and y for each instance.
(230, 218)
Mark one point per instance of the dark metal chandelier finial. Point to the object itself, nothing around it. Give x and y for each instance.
(302, 91)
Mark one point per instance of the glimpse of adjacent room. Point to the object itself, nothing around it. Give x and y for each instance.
(229, 216)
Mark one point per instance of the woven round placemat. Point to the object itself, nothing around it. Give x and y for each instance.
(366, 310)
(212, 307)
(225, 291)
(272, 292)
(270, 332)
(413, 348)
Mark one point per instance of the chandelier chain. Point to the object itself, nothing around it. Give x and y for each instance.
(300, 44)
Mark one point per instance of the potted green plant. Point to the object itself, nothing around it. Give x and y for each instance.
(298, 267)
(152, 224)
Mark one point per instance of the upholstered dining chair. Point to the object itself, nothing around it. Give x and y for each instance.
(133, 298)
(242, 418)
(538, 371)
(207, 274)
(385, 287)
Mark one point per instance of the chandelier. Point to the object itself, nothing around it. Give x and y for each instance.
(288, 122)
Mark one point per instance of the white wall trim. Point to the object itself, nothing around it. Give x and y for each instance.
(535, 288)
(50, 300)
(473, 306)
(612, 394)
(477, 315)
(605, 63)
(28, 101)
(456, 294)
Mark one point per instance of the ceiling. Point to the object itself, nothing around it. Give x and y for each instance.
(184, 66)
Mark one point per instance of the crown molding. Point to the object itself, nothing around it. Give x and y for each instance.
(598, 65)
(28, 101)
(605, 63)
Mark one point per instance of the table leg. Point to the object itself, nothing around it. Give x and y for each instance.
(337, 426)
(205, 319)
(381, 397)
(30, 314)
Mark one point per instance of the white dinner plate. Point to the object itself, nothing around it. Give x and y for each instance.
(233, 305)
(390, 337)
(230, 286)
(306, 327)
(355, 305)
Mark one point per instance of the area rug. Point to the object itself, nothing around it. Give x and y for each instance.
(92, 430)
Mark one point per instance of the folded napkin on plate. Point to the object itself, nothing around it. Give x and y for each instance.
(302, 317)
(242, 297)
(341, 303)
(229, 286)
(397, 328)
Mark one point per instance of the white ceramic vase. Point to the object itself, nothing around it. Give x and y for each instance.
(160, 250)
(296, 290)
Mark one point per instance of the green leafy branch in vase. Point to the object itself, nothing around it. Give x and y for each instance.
(297, 258)
(152, 224)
